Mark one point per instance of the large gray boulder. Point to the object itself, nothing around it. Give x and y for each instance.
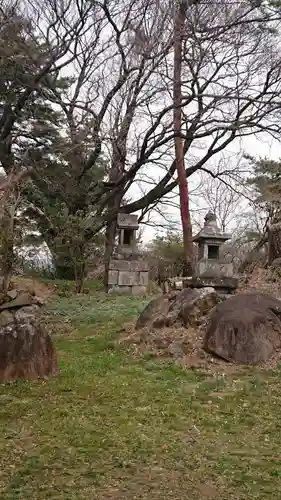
(187, 307)
(154, 314)
(246, 328)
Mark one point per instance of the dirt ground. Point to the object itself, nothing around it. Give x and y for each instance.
(33, 286)
(184, 347)
(261, 280)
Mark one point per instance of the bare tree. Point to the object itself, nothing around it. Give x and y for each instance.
(58, 43)
(119, 109)
(222, 97)
(215, 113)
(224, 199)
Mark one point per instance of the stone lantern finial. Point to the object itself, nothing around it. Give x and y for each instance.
(210, 217)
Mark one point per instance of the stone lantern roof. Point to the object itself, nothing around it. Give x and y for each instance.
(211, 230)
(127, 221)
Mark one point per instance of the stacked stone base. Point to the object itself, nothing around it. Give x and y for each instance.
(221, 285)
(128, 277)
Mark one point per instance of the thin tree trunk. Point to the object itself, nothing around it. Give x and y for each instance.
(63, 264)
(179, 154)
(79, 277)
(110, 235)
(7, 247)
(274, 242)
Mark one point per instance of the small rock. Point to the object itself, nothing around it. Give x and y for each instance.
(12, 294)
(154, 314)
(176, 349)
(25, 299)
(38, 301)
(120, 290)
(276, 262)
(139, 290)
(6, 317)
(27, 312)
(205, 290)
(195, 309)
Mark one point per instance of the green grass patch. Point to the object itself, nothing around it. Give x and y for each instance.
(101, 313)
(113, 427)
(68, 286)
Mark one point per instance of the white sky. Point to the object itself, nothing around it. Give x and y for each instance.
(263, 146)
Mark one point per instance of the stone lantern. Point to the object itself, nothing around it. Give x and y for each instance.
(211, 269)
(127, 226)
(128, 272)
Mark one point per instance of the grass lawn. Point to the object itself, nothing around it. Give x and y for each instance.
(113, 427)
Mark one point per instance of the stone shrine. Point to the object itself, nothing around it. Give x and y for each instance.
(128, 273)
(210, 269)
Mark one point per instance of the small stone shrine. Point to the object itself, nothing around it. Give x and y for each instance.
(210, 269)
(128, 273)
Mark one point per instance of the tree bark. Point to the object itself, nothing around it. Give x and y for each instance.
(274, 242)
(110, 235)
(80, 275)
(179, 147)
(7, 246)
(68, 259)
(64, 268)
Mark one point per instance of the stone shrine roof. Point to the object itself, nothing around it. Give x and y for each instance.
(127, 221)
(211, 230)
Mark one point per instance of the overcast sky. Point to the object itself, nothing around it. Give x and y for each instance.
(263, 145)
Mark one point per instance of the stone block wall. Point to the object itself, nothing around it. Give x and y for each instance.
(213, 268)
(129, 276)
